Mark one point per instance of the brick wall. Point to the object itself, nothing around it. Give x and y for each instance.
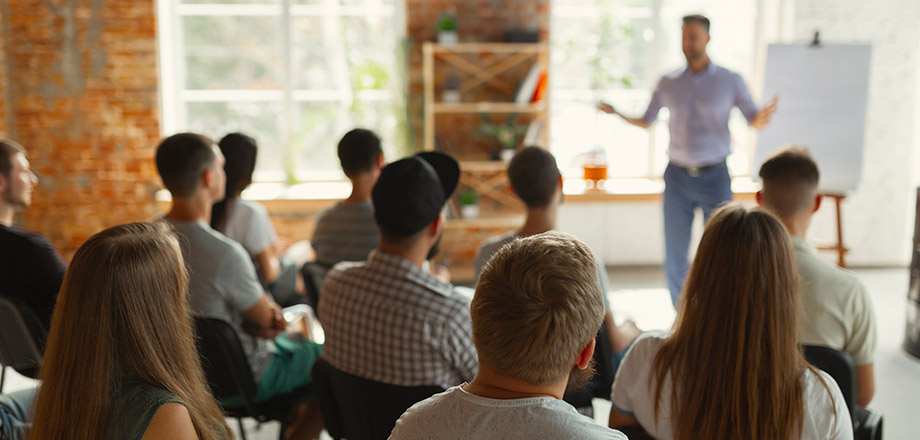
(83, 100)
(4, 85)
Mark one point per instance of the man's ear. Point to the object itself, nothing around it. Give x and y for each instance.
(818, 199)
(207, 178)
(3, 184)
(436, 225)
(759, 197)
(381, 161)
(584, 357)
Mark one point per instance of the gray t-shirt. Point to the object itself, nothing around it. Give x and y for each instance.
(345, 232)
(457, 414)
(223, 284)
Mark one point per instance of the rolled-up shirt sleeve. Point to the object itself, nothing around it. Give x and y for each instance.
(651, 113)
(743, 99)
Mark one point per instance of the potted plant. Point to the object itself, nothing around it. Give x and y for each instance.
(469, 203)
(451, 93)
(447, 29)
(505, 133)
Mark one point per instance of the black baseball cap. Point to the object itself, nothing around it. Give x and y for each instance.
(410, 193)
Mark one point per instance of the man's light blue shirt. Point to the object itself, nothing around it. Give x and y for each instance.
(700, 104)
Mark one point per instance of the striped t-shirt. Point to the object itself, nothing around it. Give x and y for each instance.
(345, 232)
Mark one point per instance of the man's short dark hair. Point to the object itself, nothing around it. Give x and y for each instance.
(534, 175)
(697, 18)
(8, 149)
(358, 151)
(181, 159)
(790, 179)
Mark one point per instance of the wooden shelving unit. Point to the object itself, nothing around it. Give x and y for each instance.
(489, 74)
(478, 75)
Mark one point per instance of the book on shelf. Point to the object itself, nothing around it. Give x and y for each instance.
(529, 85)
(532, 135)
(541, 87)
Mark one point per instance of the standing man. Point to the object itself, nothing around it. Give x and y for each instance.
(700, 98)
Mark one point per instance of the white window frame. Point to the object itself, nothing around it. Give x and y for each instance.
(174, 96)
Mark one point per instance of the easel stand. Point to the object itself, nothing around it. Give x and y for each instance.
(838, 246)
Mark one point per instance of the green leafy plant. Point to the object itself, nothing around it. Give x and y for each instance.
(506, 133)
(447, 23)
(468, 197)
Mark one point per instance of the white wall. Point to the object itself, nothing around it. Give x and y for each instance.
(878, 217)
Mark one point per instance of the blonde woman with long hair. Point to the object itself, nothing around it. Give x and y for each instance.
(121, 362)
(731, 369)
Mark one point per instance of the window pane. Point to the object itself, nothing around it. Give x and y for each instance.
(231, 2)
(312, 69)
(257, 119)
(231, 52)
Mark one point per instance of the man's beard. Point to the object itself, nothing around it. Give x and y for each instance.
(578, 378)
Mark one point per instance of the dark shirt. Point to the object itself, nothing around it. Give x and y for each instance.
(30, 270)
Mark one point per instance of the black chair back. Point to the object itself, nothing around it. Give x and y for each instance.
(838, 365)
(867, 425)
(360, 409)
(21, 337)
(313, 275)
(224, 363)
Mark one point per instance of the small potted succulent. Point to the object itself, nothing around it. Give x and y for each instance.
(506, 134)
(469, 203)
(447, 29)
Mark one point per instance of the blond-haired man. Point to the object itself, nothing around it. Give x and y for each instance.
(535, 313)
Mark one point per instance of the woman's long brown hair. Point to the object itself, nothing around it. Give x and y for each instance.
(733, 359)
(122, 314)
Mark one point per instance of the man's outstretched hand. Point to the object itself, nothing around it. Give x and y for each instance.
(763, 117)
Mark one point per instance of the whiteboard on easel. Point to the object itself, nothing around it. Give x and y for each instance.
(823, 91)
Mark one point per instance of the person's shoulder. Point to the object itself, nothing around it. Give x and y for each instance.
(821, 390)
(22, 237)
(251, 207)
(561, 420)
(492, 244)
(826, 276)
(208, 241)
(425, 417)
(673, 74)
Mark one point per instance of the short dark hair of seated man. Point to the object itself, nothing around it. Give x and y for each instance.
(536, 180)
(387, 319)
(222, 281)
(347, 231)
(535, 313)
(838, 311)
(30, 269)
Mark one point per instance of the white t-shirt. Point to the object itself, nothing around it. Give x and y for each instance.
(633, 397)
(457, 414)
(249, 225)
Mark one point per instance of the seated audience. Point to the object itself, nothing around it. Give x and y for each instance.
(731, 369)
(536, 180)
(248, 223)
(347, 231)
(836, 309)
(223, 282)
(30, 270)
(387, 319)
(121, 361)
(536, 310)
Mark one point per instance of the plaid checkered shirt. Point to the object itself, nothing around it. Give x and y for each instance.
(389, 321)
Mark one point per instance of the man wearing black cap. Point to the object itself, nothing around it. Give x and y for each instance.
(387, 319)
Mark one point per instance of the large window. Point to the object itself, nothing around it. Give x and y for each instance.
(294, 74)
(616, 50)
